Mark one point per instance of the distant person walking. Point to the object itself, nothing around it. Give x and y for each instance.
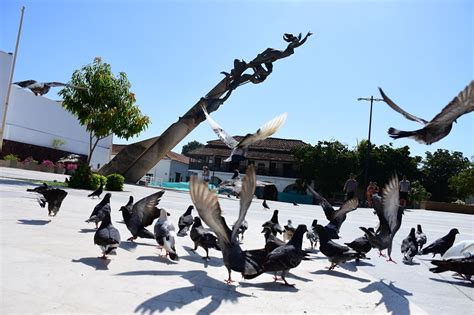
(369, 192)
(350, 187)
(205, 174)
(404, 188)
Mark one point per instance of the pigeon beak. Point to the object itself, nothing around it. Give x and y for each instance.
(168, 214)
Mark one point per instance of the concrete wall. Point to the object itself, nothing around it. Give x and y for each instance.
(179, 167)
(39, 120)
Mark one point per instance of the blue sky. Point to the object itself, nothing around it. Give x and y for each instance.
(419, 52)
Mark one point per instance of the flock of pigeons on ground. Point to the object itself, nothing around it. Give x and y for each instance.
(276, 256)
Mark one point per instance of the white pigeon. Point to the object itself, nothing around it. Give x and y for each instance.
(240, 147)
(460, 250)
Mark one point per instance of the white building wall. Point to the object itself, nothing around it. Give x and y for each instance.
(161, 171)
(179, 167)
(39, 120)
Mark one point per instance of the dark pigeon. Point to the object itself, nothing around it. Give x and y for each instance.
(462, 265)
(41, 88)
(241, 231)
(165, 235)
(203, 237)
(54, 197)
(441, 245)
(107, 236)
(409, 247)
(97, 214)
(420, 238)
(336, 253)
(273, 224)
(185, 222)
(440, 126)
(97, 192)
(143, 213)
(264, 204)
(271, 241)
(361, 244)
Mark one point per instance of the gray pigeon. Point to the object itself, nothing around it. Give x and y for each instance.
(409, 247)
(440, 126)
(185, 221)
(165, 235)
(243, 227)
(107, 236)
(41, 88)
(420, 238)
(312, 235)
(97, 214)
(52, 196)
(273, 224)
(335, 217)
(203, 237)
(288, 231)
(441, 245)
(239, 148)
(143, 213)
(390, 216)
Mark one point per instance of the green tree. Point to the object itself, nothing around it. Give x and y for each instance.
(191, 146)
(462, 184)
(106, 107)
(438, 168)
(418, 193)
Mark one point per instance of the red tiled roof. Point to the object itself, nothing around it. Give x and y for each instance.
(177, 157)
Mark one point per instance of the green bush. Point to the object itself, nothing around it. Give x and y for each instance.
(10, 157)
(115, 182)
(96, 180)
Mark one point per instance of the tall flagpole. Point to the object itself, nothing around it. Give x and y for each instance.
(12, 70)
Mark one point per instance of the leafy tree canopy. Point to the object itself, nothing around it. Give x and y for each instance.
(191, 146)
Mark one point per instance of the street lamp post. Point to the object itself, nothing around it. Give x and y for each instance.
(367, 154)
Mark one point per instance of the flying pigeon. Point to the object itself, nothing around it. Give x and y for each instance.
(239, 148)
(165, 235)
(440, 126)
(41, 88)
(420, 238)
(203, 237)
(97, 192)
(441, 245)
(312, 235)
(107, 236)
(97, 214)
(207, 205)
(143, 213)
(460, 249)
(409, 247)
(52, 196)
(273, 224)
(289, 231)
(264, 204)
(463, 266)
(243, 227)
(185, 221)
(361, 244)
(336, 253)
(335, 217)
(390, 216)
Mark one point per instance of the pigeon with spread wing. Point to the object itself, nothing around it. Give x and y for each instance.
(41, 88)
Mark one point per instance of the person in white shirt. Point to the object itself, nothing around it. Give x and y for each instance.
(404, 188)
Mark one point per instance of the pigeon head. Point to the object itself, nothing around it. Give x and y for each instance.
(188, 211)
(454, 232)
(130, 200)
(197, 221)
(274, 218)
(412, 232)
(315, 222)
(418, 228)
(107, 196)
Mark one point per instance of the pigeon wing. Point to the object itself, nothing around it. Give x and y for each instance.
(328, 209)
(401, 111)
(207, 205)
(391, 204)
(246, 196)
(263, 132)
(462, 104)
(221, 133)
(347, 207)
(145, 209)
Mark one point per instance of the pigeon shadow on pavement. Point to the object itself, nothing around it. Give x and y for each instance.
(393, 298)
(33, 222)
(456, 281)
(95, 262)
(131, 246)
(274, 286)
(202, 287)
(157, 258)
(293, 276)
(195, 256)
(338, 274)
(87, 230)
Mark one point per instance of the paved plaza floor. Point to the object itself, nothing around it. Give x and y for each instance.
(50, 265)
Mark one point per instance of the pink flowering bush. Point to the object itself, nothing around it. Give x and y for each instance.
(71, 167)
(47, 163)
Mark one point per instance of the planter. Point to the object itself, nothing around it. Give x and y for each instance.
(447, 207)
(4, 163)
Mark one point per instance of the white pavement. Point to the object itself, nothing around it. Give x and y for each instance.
(51, 265)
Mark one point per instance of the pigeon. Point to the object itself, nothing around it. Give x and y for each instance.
(240, 232)
(239, 148)
(143, 213)
(409, 247)
(97, 192)
(273, 224)
(287, 256)
(336, 253)
(312, 235)
(440, 126)
(52, 196)
(248, 263)
(464, 266)
(295, 204)
(441, 245)
(460, 249)
(271, 241)
(129, 205)
(390, 217)
(107, 236)
(335, 217)
(361, 244)
(264, 204)
(420, 238)
(41, 88)
(165, 235)
(203, 237)
(185, 222)
(97, 214)
(289, 231)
